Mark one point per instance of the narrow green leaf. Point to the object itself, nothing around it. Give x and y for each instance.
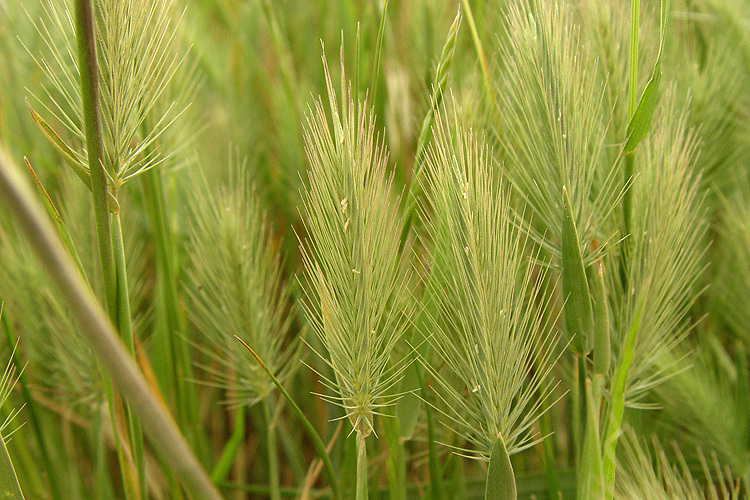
(59, 144)
(62, 228)
(501, 481)
(640, 122)
(575, 287)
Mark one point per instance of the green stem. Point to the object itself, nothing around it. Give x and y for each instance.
(89, 75)
(224, 464)
(361, 467)
(273, 455)
(548, 445)
(618, 407)
(635, 7)
(436, 475)
(627, 201)
(576, 397)
(396, 461)
(582, 377)
(125, 326)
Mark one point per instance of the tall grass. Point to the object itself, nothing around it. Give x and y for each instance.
(489, 254)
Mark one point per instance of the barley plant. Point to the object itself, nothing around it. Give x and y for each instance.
(374, 249)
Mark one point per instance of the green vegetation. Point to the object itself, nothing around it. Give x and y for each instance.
(375, 249)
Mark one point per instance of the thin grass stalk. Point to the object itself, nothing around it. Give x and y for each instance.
(548, 447)
(89, 75)
(575, 415)
(125, 327)
(396, 460)
(436, 475)
(627, 201)
(273, 455)
(100, 334)
(362, 492)
(617, 409)
(102, 476)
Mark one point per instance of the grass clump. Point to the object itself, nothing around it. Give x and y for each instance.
(555, 254)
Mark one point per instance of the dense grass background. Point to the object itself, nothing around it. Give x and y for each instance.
(488, 248)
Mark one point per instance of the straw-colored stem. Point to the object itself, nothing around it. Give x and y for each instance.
(99, 332)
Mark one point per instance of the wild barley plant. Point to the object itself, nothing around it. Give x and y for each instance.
(239, 292)
(492, 338)
(358, 299)
(621, 235)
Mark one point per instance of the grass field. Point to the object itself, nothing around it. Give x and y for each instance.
(392, 249)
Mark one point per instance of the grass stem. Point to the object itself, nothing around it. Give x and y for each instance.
(273, 455)
(362, 493)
